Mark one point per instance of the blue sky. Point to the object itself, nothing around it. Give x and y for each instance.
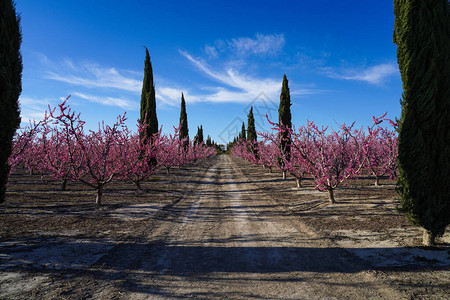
(224, 55)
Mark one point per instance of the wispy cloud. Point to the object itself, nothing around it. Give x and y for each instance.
(172, 96)
(109, 101)
(373, 75)
(95, 76)
(93, 82)
(245, 88)
(33, 108)
(211, 51)
(240, 88)
(261, 45)
(99, 81)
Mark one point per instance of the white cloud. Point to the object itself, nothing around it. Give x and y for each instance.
(211, 51)
(374, 75)
(223, 95)
(240, 88)
(109, 101)
(172, 96)
(261, 44)
(101, 81)
(202, 66)
(32, 108)
(246, 88)
(232, 85)
(94, 76)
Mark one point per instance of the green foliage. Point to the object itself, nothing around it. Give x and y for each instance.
(422, 35)
(284, 110)
(148, 99)
(284, 116)
(184, 131)
(242, 135)
(198, 139)
(219, 150)
(10, 84)
(200, 134)
(251, 133)
(208, 141)
(251, 130)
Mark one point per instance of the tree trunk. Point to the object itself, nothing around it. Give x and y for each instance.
(284, 174)
(331, 196)
(63, 185)
(428, 238)
(377, 181)
(299, 182)
(138, 184)
(98, 201)
(168, 170)
(270, 169)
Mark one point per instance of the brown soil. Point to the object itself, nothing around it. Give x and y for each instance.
(220, 228)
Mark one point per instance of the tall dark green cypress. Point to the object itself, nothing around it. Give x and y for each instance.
(422, 35)
(251, 134)
(10, 84)
(184, 130)
(242, 135)
(148, 100)
(197, 136)
(284, 118)
(200, 134)
(251, 129)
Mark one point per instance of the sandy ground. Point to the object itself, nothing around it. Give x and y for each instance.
(226, 233)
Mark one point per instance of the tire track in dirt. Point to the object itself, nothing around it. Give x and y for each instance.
(120, 271)
(232, 242)
(330, 271)
(228, 239)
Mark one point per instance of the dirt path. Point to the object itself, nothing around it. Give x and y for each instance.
(226, 239)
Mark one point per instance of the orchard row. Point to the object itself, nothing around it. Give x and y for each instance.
(329, 157)
(60, 147)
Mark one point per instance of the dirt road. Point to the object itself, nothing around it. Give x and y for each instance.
(225, 239)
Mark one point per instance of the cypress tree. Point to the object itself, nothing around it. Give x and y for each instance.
(148, 100)
(422, 35)
(196, 136)
(10, 84)
(198, 139)
(284, 118)
(242, 135)
(184, 131)
(251, 130)
(200, 134)
(251, 133)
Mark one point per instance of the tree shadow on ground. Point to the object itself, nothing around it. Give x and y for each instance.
(130, 263)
